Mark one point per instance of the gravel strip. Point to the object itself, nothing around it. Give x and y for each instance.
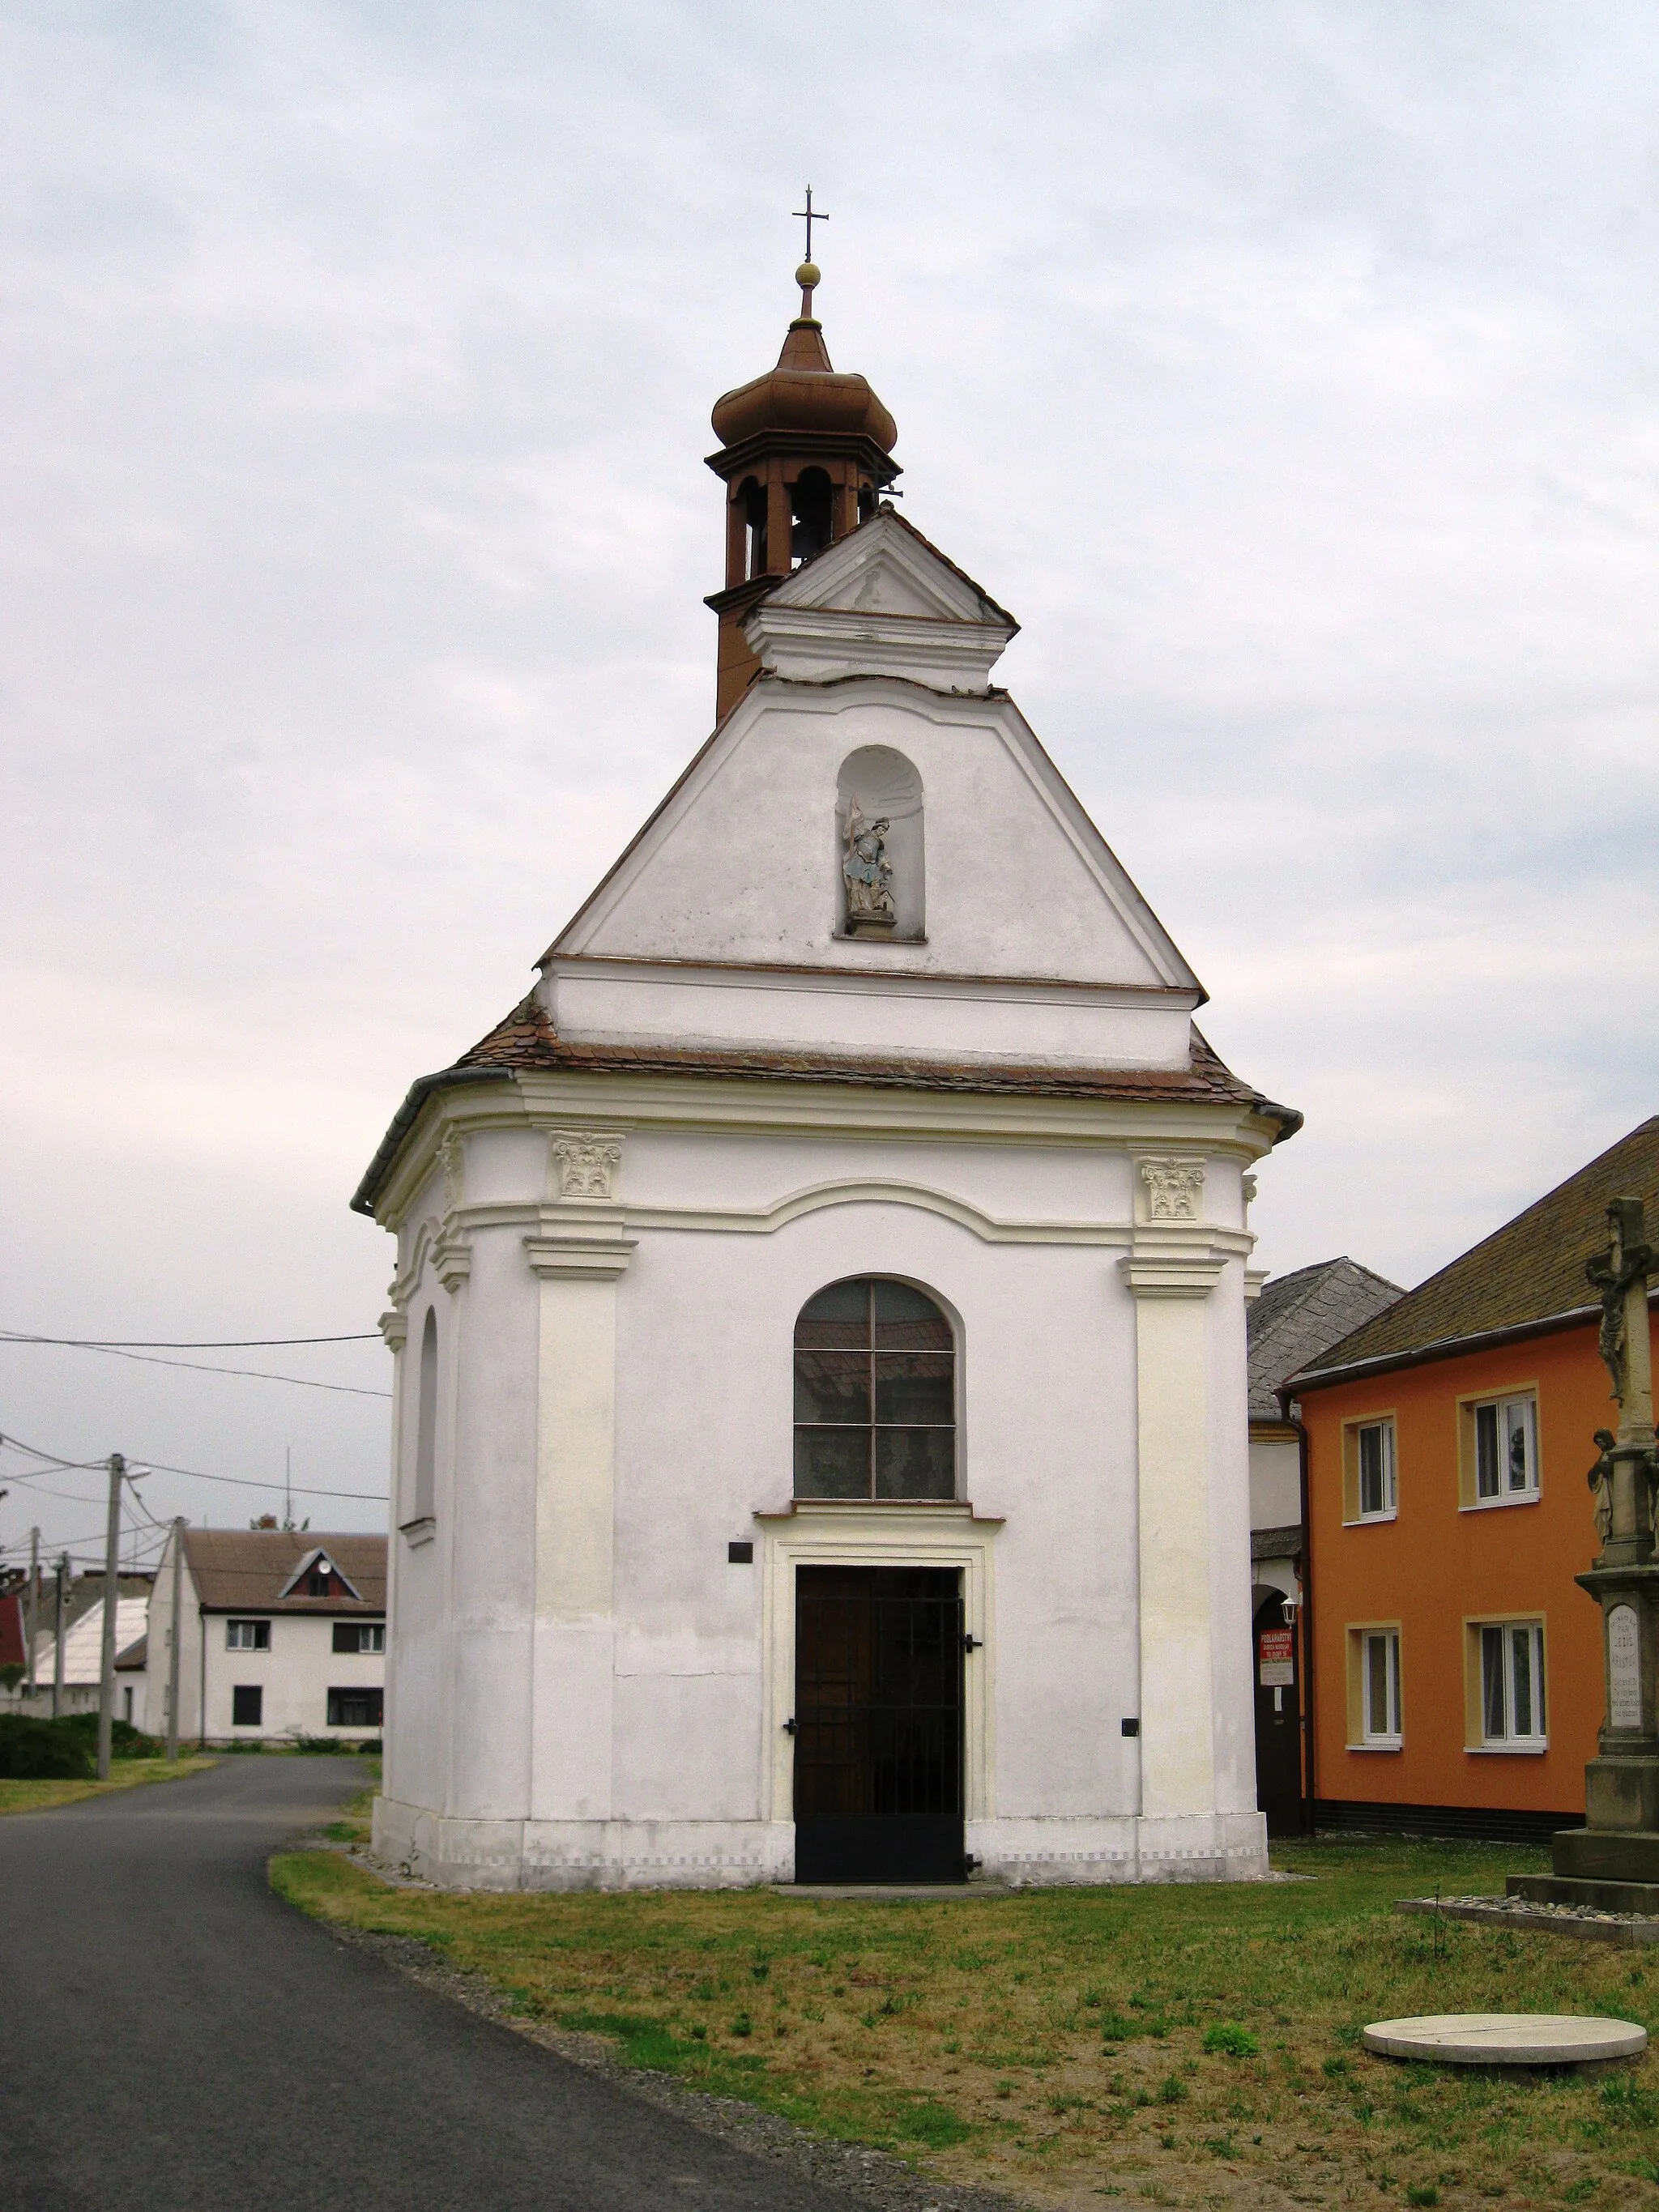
(1582, 1920)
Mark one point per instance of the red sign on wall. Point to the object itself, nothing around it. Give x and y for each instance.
(1277, 1657)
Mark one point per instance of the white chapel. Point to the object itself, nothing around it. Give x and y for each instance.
(821, 1432)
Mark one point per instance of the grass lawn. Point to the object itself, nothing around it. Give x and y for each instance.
(1171, 2044)
(125, 1773)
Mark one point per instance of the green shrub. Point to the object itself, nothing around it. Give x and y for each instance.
(1227, 2035)
(318, 1743)
(125, 1741)
(1172, 2090)
(1421, 2192)
(42, 1751)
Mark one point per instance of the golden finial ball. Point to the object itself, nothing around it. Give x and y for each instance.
(809, 274)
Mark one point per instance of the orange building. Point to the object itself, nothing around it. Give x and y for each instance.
(1456, 1679)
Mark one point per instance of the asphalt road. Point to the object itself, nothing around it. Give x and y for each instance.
(172, 2036)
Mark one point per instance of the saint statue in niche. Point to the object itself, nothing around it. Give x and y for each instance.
(867, 872)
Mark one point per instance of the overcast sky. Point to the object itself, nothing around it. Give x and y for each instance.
(1288, 369)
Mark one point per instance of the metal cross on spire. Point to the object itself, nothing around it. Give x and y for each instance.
(811, 215)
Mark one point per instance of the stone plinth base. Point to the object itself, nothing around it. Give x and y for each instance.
(1641, 1897)
(1621, 1791)
(1602, 1855)
(561, 1855)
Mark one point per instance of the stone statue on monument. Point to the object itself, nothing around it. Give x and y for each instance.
(1621, 1275)
(1611, 1863)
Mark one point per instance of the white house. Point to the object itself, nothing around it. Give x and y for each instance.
(83, 1649)
(283, 1634)
(819, 1308)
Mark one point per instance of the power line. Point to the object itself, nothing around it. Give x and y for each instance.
(34, 1452)
(243, 1482)
(195, 1474)
(199, 1366)
(39, 1490)
(185, 1343)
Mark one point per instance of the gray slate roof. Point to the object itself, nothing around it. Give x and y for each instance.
(1298, 1316)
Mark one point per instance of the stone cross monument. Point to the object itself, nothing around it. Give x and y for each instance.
(1620, 1842)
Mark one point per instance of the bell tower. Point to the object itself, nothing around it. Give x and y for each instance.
(806, 454)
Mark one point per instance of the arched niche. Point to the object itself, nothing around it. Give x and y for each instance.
(879, 848)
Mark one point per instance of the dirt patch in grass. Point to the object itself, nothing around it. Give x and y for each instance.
(124, 1774)
(1053, 2042)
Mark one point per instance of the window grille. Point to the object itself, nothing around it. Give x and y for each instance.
(875, 1394)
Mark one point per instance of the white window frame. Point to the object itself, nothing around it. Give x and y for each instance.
(1513, 1416)
(1389, 1507)
(1391, 1735)
(370, 1639)
(1513, 1688)
(237, 1640)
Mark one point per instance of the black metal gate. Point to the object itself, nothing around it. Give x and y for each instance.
(877, 1724)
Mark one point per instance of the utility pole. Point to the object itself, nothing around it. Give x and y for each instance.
(57, 1640)
(177, 1638)
(35, 1601)
(118, 1468)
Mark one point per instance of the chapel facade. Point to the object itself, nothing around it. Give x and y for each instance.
(820, 1441)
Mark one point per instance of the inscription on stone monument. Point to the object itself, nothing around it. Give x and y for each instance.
(1624, 1667)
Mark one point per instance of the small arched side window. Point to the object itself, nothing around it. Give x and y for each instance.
(426, 1423)
(875, 1394)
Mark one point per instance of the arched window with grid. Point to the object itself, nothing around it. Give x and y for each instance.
(875, 1392)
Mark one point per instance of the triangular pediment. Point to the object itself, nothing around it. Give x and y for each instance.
(996, 871)
(882, 601)
(887, 567)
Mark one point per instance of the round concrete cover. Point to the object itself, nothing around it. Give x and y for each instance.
(1505, 2039)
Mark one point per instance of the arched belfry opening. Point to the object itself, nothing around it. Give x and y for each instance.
(811, 505)
(806, 454)
(881, 875)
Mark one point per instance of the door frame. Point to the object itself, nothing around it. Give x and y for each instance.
(829, 1533)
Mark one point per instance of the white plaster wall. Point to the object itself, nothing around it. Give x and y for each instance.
(863, 1014)
(1275, 1485)
(744, 866)
(656, 1712)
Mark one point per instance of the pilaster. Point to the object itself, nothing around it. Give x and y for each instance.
(578, 1254)
(1175, 1262)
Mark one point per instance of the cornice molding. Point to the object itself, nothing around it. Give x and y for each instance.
(885, 980)
(590, 1248)
(546, 1220)
(1178, 1260)
(883, 1515)
(548, 1099)
(451, 1255)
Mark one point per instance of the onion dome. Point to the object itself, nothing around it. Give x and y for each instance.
(804, 393)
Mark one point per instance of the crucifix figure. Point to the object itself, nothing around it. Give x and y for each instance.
(1628, 1468)
(812, 215)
